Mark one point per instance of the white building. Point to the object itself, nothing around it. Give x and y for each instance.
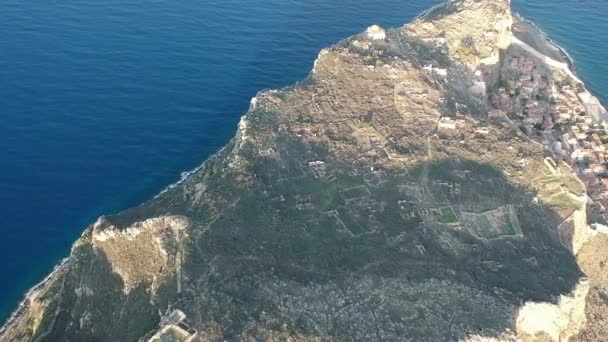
(375, 32)
(438, 71)
(447, 123)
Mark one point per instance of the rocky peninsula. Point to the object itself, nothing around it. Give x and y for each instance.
(441, 181)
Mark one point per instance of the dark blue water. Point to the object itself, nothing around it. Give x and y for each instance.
(579, 26)
(104, 103)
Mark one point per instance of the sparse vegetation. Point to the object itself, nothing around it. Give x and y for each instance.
(447, 215)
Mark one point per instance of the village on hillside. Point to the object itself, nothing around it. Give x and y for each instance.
(566, 118)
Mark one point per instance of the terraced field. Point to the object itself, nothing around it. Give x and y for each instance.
(493, 224)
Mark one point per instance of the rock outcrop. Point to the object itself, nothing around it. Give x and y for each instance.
(472, 32)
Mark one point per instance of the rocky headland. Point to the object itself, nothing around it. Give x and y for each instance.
(441, 181)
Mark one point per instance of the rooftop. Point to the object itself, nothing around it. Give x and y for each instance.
(376, 32)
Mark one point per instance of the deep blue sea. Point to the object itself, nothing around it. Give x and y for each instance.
(104, 103)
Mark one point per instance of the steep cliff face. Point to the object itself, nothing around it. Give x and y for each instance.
(392, 195)
(472, 32)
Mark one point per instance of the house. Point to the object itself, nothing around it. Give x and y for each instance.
(482, 130)
(375, 32)
(174, 328)
(598, 169)
(580, 136)
(437, 71)
(446, 123)
(578, 155)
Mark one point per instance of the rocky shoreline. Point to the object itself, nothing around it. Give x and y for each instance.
(31, 293)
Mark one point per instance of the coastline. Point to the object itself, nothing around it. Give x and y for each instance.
(543, 35)
(428, 11)
(16, 313)
(185, 175)
(568, 66)
(31, 292)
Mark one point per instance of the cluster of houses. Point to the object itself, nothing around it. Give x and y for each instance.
(583, 144)
(565, 117)
(529, 83)
(583, 135)
(530, 77)
(568, 106)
